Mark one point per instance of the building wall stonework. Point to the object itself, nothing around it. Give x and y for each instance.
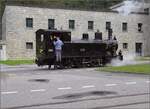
(17, 34)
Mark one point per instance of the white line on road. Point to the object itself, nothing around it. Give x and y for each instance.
(12, 92)
(110, 85)
(89, 69)
(89, 86)
(38, 90)
(147, 81)
(64, 88)
(128, 83)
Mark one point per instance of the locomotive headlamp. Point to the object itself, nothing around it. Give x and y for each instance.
(50, 50)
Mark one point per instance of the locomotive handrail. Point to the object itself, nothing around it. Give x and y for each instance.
(95, 41)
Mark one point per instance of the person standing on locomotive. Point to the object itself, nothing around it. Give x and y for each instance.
(58, 49)
(120, 55)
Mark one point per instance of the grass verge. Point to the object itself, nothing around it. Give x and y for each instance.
(17, 62)
(139, 69)
(142, 58)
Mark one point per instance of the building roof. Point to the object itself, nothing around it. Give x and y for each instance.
(67, 4)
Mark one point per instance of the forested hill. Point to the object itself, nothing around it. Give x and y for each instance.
(67, 4)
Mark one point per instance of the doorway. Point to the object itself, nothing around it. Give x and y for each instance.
(138, 49)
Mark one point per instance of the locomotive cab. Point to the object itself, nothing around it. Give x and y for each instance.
(44, 45)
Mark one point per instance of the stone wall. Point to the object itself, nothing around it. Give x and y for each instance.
(17, 34)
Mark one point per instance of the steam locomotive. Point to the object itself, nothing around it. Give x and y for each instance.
(82, 53)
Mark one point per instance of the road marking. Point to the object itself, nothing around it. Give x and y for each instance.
(64, 88)
(12, 92)
(38, 90)
(11, 74)
(89, 86)
(128, 83)
(110, 85)
(147, 81)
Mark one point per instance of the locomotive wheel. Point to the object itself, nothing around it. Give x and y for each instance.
(92, 64)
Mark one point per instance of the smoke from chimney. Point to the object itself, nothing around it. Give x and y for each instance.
(130, 6)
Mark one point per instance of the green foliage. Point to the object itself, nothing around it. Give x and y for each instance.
(140, 68)
(17, 62)
(2, 6)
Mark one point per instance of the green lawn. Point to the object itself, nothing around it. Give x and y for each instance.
(17, 62)
(140, 68)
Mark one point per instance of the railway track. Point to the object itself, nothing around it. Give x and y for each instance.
(89, 99)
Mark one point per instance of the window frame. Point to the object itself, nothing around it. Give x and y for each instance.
(71, 24)
(85, 36)
(29, 22)
(29, 45)
(108, 25)
(125, 46)
(51, 23)
(140, 27)
(90, 25)
(124, 26)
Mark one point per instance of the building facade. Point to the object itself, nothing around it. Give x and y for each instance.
(19, 24)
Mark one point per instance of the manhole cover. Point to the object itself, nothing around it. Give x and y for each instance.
(39, 80)
(85, 94)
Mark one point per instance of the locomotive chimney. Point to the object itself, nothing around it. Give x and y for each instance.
(110, 31)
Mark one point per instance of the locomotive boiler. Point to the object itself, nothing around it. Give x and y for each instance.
(81, 53)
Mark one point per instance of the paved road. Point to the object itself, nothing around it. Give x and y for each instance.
(29, 87)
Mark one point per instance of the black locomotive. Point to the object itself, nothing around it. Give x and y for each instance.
(81, 53)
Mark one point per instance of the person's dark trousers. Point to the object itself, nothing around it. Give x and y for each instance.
(55, 65)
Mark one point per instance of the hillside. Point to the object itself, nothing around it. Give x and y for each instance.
(67, 4)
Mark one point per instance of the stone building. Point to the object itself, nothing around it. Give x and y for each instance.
(19, 24)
